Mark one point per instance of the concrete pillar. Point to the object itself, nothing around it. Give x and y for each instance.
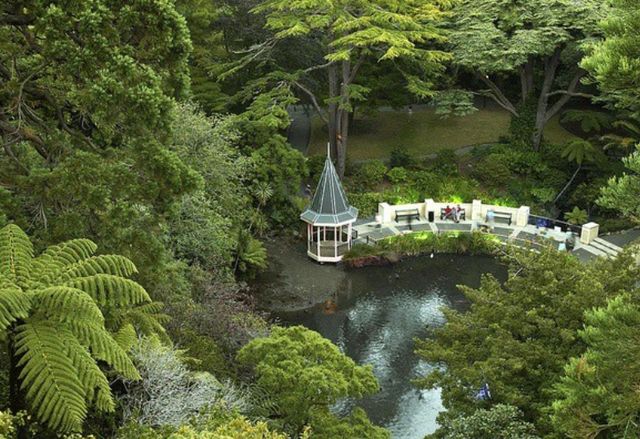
(386, 212)
(476, 210)
(522, 217)
(589, 233)
(430, 206)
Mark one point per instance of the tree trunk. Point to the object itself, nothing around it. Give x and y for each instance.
(16, 400)
(550, 68)
(343, 118)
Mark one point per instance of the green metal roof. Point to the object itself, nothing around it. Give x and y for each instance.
(329, 204)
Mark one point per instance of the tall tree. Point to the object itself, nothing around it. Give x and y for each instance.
(539, 41)
(598, 396)
(518, 336)
(52, 319)
(337, 37)
(86, 97)
(614, 62)
(615, 66)
(306, 374)
(89, 74)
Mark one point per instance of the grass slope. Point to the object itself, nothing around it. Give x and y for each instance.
(423, 132)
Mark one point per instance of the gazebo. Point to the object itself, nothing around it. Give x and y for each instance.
(329, 218)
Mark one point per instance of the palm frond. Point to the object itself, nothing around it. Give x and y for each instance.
(126, 337)
(49, 264)
(108, 289)
(14, 305)
(65, 303)
(104, 264)
(103, 346)
(49, 376)
(93, 380)
(16, 253)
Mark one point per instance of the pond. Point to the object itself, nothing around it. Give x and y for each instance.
(379, 313)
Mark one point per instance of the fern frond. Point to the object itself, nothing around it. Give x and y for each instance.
(16, 253)
(49, 376)
(126, 337)
(65, 303)
(107, 289)
(103, 347)
(104, 264)
(49, 264)
(14, 305)
(93, 380)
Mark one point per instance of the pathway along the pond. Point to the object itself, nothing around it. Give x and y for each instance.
(369, 232)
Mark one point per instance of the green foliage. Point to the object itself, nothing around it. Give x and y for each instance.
(579, 151)
(305, 374)
(204, 229)
(576, 216)
(52, 310)
(500, 422)
(356, 425)
(366, 202)
(590, 121)
(622, 193)
(420, 243)
(454, 102)
(445, 163)
(400, 158)
(493, 170)
(397, 175)
(523, 125)
(371, 173)
(613, 62)
(251, 254)
(597, 396)
(518, 335)
(81, 78)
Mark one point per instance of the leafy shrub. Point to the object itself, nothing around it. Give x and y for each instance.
(400, 158)
(458, 189)
(168, 393)
(366, 202)
(576, 216)
(315, 164)
(371, 174)
(415, 244)
(493, 170)
(397, 175)
(445, 162)
(425, 182)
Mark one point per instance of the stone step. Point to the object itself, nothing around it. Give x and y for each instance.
(597, 251)
(603, 249)
(608, 244)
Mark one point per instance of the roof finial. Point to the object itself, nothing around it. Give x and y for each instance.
(329, 150)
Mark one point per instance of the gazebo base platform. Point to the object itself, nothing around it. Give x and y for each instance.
(328, 251)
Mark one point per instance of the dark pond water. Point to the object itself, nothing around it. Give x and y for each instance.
(380, 311)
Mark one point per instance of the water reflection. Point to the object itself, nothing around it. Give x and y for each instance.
(379, 312)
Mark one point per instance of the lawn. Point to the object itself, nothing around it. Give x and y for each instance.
(423, 132)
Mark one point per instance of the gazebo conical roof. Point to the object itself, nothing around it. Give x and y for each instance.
(329, 205)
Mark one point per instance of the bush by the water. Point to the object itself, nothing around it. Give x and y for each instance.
(422, 243)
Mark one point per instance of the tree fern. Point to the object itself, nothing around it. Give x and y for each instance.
(16, 253)
(56, 311)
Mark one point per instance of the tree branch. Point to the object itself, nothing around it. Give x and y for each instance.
(314, 101)
(497, 95)
(566, 95)
(16, 20)
(318, 67)
(356, 67)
